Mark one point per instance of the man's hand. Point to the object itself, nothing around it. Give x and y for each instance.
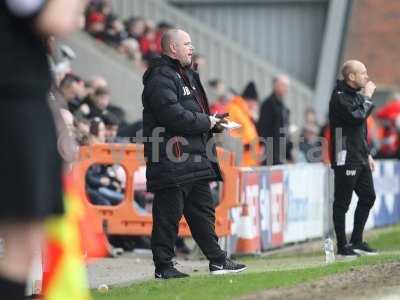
(222, 116)
(371, 163)
(369, 89)
(213, 120)
(105, 181)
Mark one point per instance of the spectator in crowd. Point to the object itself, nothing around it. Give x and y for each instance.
(274, 123)
(310, 117)
(68, 119)
(98, 15)
(98, 82)
(148, 43)
(325, 136)
(221, 96)
(162, 27)
(96, 24)
(119, 113)
(73, 90)
(97, 103)
(112, 123)
(240, 110)
(132, 131)
(101, 95)
(102, 185)
(130, 47)
(375, 136)
(310, 145)
(82, 129)
(137, 38)
(136, 27)
(97, 131)
(105, 7)
(115, 33)
(66, 143)
(385, 140)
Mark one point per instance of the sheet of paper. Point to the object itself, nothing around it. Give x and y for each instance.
(231, 125)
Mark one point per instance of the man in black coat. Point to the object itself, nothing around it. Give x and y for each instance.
(181, 160)
(273, 124)
(352, 163)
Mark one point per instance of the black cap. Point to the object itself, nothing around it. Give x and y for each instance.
(250, 92)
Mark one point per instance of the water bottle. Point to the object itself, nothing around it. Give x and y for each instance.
(329, 254)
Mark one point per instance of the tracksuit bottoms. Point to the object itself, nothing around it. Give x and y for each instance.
(194, 201)
(349, 178)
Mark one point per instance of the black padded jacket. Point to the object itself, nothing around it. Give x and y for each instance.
(175, 105)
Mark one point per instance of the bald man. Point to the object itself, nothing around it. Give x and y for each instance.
(352, 163)
(177, 122)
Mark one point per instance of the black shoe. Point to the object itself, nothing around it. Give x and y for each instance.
(169, 273)
(364, 249)
(228, 266)
(347, 252)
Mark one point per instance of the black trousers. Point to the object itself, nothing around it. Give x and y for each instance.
(348, 179)
(194, 201)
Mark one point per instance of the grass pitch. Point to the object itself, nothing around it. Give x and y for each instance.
(264, 273)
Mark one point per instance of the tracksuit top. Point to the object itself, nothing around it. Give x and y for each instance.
(348, 113)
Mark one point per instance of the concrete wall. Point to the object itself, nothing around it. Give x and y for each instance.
(287, 34)
(374, 38)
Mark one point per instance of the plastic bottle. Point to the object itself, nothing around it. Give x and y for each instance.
(329, 253)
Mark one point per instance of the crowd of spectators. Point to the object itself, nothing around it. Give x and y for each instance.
(91, 118)
(140, 40)
(137, 38)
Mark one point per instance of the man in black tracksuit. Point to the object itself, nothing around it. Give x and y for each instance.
(181, 161)
(351, 160)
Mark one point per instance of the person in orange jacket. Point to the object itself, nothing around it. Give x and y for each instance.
(241, 110)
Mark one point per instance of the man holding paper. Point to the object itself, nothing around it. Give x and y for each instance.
(181, 159)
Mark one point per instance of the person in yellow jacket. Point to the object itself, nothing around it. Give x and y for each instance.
(241, 110)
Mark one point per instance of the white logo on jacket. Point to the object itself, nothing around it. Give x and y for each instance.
(186, 91)
(350, 172)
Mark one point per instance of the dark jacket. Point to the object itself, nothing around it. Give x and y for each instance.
(348, 112)
(174, 100)
(274, 123)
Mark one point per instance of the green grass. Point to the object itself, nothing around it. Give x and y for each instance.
(387, 239)
(264, 273)
(226, 287)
